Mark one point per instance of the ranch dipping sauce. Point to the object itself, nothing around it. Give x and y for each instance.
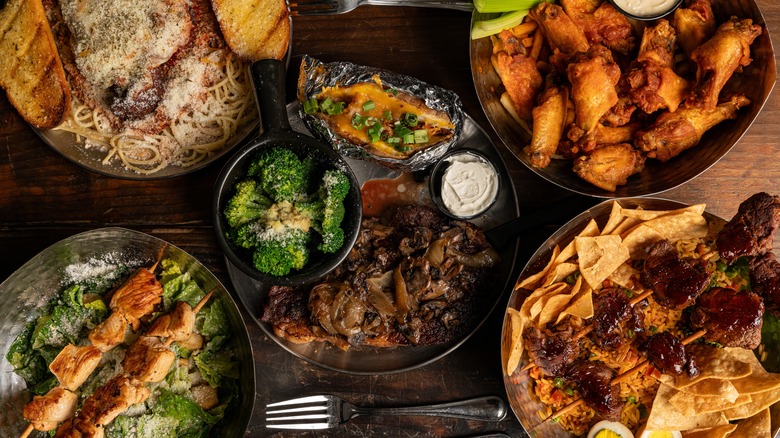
(645, 8)
(469, 185)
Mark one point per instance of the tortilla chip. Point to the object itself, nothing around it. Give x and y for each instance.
(515, 347)
(590, 230)
(615, 217)
(761, 401)
(553, 307)
(759, 380)
(714, 363)
(707, 387)
(639, 239)
(540, 296)
(532, 281)
(648, 215)
(626, 225)
(623, 276)
(711, 432)
(690, 405)
(599, 256)
(663, 416)
(560, 272)
(757, 426)
(686, 225)
(581, 304)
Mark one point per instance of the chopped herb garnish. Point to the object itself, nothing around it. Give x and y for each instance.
(311, 106)
(631, 399)
(653, 329)
(420, 136)
(368, 105)
(558, 382)
(569, 390)
(388, 115)
(410, 119)
(409, 138)
(357, 121)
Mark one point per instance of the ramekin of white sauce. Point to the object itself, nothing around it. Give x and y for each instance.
(646, 9)
(464, 184)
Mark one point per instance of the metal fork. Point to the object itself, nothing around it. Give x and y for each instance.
(332, 7)
(327, 411)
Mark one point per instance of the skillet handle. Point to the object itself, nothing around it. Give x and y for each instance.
(268, 79)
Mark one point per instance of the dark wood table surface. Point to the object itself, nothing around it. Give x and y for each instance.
(44, 198)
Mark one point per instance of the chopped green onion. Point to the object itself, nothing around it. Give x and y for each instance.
(421, 136)
(630, 334)
(368, 105)
(410, 119)
(310, 106)
(330, 107)
(409, 138)
(388, 115)
(568, 390)
(401, 131)
(629, 293)
(631, 399)
(653, 329)
(394, 140)
(374, 132)
(403, 148)
(357, 121)
(486, 28)
(371, 121)
(558, 382)
(392, 91)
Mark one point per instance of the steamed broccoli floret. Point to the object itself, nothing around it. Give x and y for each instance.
(247, 204)
(332, 240)
(282, 175)
(334, 187)
(277, 253)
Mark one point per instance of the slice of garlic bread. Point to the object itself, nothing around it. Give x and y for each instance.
(254, 29)
(30, 68)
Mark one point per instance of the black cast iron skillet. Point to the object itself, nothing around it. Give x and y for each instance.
(268, 78)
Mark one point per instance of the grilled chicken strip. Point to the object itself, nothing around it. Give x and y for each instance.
(109, 333)
(73, 365)
(177, 325)
(148, 359)
(79, 428)
(137, 296)
(113, 398)
(47, 411)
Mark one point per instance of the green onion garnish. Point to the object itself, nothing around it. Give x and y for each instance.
(631, 399)
(401, 131)
(420, 136)
(388, 115)
(310, 106)
(357, 121)
(368, 105)
(569, 390)
(410, 119)
(558, 382)
(394, 140)
(409, 138)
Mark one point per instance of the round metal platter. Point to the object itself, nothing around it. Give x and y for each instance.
(41, 278)
(526, 405)
(756, 82)
(391, 360)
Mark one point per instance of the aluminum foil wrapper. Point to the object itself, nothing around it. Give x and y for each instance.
(315, 75)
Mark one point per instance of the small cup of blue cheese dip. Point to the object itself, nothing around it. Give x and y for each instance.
(464, 184)
(646, 9)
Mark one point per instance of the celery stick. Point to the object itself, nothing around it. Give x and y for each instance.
(485, 28)
(485, 6)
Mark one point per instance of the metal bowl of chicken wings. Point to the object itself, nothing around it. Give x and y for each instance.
(37, 321)
(610, 107)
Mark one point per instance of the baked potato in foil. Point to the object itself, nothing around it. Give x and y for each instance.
(373, 114)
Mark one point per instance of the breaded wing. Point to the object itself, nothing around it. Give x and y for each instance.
(522, 81)
(610, 166)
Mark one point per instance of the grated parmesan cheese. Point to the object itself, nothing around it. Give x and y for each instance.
(115, 42)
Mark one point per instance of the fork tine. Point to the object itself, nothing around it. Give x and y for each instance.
(300, 409)
(315, 7)
(297, 401)
(304, 426)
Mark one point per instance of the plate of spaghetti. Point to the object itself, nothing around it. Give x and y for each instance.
(156, 91)
(648, 315)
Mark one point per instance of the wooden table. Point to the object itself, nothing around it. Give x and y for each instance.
(44, 198)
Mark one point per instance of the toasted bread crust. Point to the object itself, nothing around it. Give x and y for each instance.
(254, 29)
(31, 71)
